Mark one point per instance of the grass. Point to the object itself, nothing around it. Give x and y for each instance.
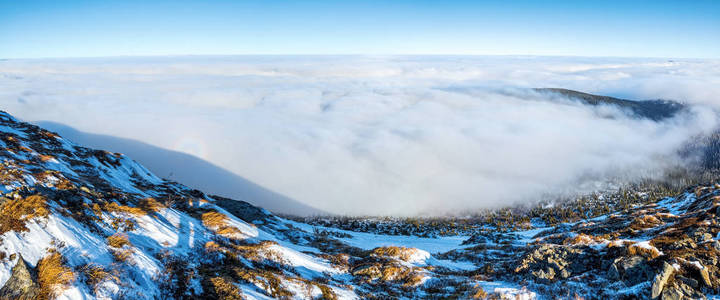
(120, 247)
(402, 253)
(218, 222)
(649, 253)
(150, 205)
(225, 289)
(16, 212)
(94, 275)
(53, 275)
(113, 207)
(118, 240)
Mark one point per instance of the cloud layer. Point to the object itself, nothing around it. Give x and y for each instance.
(380, 135)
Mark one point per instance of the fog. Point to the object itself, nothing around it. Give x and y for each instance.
(380, 135)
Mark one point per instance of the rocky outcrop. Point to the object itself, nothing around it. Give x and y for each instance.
(661, 279)
(22, 283)
(549, 263)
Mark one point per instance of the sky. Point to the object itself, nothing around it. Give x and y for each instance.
(75, 28)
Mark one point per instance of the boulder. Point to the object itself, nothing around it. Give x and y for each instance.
(661, 279)
(22, 283)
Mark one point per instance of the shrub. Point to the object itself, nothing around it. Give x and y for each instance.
(53, 275)
(14, 213)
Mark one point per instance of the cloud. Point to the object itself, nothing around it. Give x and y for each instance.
(381, 135)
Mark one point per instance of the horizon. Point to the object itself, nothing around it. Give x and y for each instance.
(658, 29)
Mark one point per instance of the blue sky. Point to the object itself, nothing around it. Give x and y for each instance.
(31, 29)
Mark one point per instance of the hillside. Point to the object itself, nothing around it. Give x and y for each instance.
(79, 223)
(652, 109)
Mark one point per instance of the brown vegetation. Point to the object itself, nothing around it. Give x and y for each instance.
(94, 275)
(120, 247)
(225, 289)
(402, 253)
(218, 223)
(14, 213)
(150, 205)
(53, 275)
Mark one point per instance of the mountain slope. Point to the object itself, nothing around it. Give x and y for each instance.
(188, 169)
(78, 223)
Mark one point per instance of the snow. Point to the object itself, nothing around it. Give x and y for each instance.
(674, 206)
(646, 245)
(308, 266)
(508, 290)
(369, 241)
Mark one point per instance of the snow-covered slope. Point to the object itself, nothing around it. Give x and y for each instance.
(78, 223)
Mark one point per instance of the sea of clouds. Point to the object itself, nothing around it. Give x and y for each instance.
(383, 134)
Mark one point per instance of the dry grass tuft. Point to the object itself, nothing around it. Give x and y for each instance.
(225, 289)
(14, 213)
(214, 220)
(218, 222)
(11, 172)
(113, 207)
(402, 253)
(479, 293)
(45, 158)
(118, 240)
(95, 275)
(644, 251)
(120, 247)
(53, 275)
(582, 239)
(150, 205)
(268, 281)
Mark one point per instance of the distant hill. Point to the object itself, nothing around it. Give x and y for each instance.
(652, 109)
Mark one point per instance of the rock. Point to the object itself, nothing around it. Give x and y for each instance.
(613, 273)
(371, 271)
(672, 294)
(22, 283)
(564, 273)
(634, 270)
(661, 279)
(689, 281)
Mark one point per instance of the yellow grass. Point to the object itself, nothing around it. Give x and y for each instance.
(118, 240)
(14, 213)
(225, 289)
(150, 205)
(649, 253)
(123, 209)
(403, 253)
(45, 158)
(53, 275)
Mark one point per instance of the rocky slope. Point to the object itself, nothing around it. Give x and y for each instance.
(78, 223)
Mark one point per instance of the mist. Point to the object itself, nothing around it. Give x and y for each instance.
(381, 135)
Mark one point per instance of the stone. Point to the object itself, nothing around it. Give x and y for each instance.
(22, 283)
(689, 281)
(661, 279)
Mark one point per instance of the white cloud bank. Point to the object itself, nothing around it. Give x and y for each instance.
(379, 135)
